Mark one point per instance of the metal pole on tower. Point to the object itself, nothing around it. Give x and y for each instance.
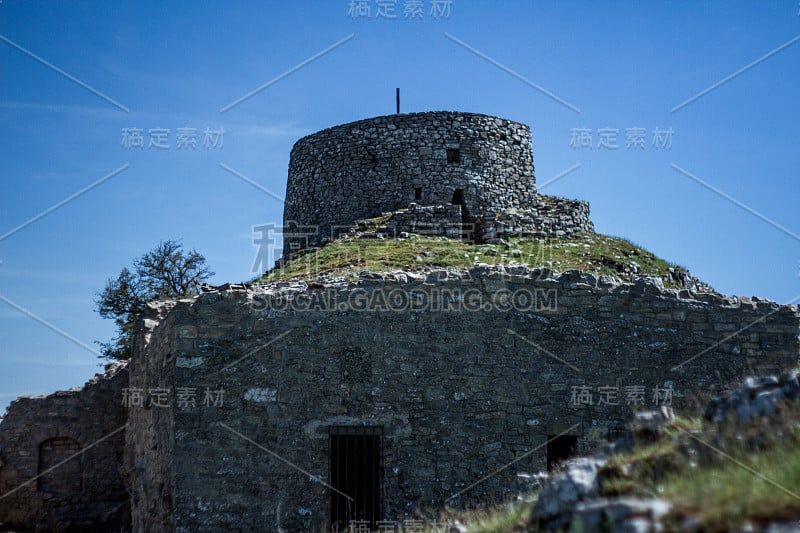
(398, 100)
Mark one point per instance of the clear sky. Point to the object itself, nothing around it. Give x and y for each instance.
(718, 194)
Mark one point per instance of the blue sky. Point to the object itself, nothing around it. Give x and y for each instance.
(75, 75)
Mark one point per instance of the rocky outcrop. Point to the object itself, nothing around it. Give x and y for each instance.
(573, 499)
(571, 503)
(754, 398)
(557, 503)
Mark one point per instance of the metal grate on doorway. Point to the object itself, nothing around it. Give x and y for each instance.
(356, 472)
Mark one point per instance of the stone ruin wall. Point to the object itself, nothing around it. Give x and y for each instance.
(456, 393)
(149, 440)
(365, 168)
(552, 217)
(84, 489)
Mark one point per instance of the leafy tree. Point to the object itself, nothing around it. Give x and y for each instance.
(164, 272)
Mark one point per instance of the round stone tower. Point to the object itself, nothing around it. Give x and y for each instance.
(365, 168)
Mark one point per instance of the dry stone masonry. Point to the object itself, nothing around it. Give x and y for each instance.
(552, 217)
(447, 376)
(365, 168)
(61, 458)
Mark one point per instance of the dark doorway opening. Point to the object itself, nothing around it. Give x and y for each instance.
(356, 475)
(468, 232)
(458, 199)
(559, 449)
(418, 193)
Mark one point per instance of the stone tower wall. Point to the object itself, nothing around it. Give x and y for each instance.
(365, 168)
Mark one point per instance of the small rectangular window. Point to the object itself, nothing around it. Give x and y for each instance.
(453, 156)
(418, 193)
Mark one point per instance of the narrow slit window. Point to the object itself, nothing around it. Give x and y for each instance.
(453, 156)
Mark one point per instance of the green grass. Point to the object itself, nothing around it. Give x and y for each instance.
(763, 486)
(741, 474)
(750, 476)
(637, 472)
(594, 253)
(721, 477)
(508, 518)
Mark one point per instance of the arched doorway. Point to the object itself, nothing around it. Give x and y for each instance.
(60, 466)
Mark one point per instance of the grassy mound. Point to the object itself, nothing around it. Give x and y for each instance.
(595, 253)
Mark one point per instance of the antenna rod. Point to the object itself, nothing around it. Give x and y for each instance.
(398, 100)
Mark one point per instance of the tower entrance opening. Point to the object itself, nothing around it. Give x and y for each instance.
(469, 232)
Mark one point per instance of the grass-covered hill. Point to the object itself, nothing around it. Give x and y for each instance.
(599, 254)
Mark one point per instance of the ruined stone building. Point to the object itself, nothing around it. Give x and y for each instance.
(306, 405)
(61, 458)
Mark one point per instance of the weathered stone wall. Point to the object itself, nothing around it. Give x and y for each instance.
(365, 168)
(149, 443)
(439, 220)
(553, 217)
(463, 372)
(61, 458)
